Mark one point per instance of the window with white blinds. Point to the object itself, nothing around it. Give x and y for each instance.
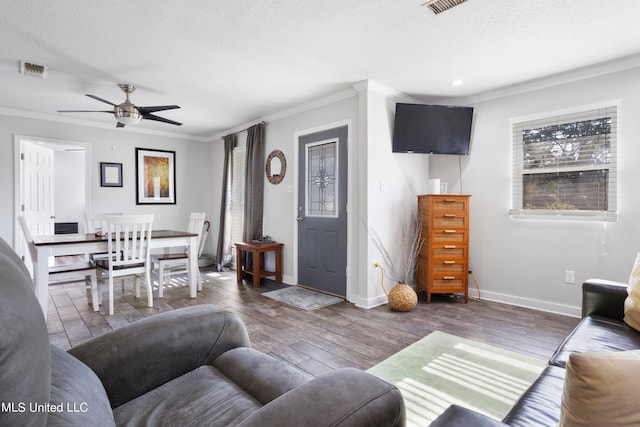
(565, 165)
(237, 197)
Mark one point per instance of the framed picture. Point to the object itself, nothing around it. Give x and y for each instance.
(110, 174)
(155, 177)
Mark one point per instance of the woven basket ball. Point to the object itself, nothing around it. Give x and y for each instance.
(403, 298)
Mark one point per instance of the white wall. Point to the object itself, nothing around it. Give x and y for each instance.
(195, 165)
(393, 181)
(523, 261)
(69, 184)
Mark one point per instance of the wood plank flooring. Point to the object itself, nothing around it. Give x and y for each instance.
(319, 341)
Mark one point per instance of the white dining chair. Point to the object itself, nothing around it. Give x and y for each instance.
(94, 222)
(81, 271)
(178, 263)
(128, 252)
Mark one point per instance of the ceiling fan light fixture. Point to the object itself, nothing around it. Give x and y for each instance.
(127, 114)
(126, 120)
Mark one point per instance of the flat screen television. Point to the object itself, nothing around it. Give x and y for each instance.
(432, 129)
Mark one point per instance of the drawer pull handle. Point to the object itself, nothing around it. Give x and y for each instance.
(449, 246)
(449, 231)
(449, 277)
(449, 200)
(449, 215)
(448, 262)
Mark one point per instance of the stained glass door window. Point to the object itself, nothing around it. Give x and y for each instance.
(322, 185)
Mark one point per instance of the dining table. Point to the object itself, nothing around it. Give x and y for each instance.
(75, 244)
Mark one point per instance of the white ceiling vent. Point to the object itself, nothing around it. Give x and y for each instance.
(439, 6)
(36, 70)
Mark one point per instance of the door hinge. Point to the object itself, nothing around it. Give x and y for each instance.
(22, 207)
(21, 156)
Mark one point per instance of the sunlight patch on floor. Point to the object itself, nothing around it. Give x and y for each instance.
(426, 403)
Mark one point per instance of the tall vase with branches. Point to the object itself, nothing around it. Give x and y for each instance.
(402, 297)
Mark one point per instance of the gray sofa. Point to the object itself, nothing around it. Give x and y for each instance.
(192, 366)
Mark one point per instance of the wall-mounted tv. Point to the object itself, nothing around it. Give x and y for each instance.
(432, 129)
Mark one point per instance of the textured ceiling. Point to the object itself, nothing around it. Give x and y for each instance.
(228, 63)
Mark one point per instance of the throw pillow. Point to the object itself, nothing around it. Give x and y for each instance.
(601, 389)
(632, 303)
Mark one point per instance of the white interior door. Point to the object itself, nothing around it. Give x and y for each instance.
(37, 188)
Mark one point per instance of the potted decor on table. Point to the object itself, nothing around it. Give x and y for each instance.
(402, 297)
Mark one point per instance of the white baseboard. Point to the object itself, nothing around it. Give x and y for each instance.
(547, 306)
(370, 302)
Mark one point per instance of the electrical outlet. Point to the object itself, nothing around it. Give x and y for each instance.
(570, 277)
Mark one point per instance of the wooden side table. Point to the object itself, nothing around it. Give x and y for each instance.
(258, 270)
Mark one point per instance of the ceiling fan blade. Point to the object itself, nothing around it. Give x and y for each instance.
(97, 98)
(85, 111)
(160, 119)
(153, 109)
(119, 125)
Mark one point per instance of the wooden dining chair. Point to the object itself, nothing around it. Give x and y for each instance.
(128, 239)
(81, 271)
(178, 263)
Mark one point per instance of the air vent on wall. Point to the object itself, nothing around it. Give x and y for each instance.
(439, 6)
(36, 70)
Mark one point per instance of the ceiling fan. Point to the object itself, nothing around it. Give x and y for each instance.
(128, 113)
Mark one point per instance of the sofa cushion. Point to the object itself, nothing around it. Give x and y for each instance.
(267, 379)
(201, 397)
(632, 303)
(25, 359)
(77, 391)
(600, 390)
(540, 404)
(596, 334)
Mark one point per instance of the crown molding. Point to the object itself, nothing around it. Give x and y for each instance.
(316, 103)
(582, 73)
(94, 124)
(374, 86)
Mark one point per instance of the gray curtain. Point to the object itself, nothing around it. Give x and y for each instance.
(223, 251)
(254, 184)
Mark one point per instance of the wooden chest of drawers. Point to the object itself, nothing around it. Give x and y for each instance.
(443, 262)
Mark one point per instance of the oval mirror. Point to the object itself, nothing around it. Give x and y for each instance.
(276, 167)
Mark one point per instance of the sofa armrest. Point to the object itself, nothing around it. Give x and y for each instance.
(603, 298)
(345, 397)
(143, 355)
(457, 416)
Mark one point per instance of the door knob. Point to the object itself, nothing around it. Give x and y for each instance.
(299, 219)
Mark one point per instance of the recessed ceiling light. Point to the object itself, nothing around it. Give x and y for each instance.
(456, 82)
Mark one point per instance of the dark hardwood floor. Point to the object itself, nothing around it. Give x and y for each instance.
(319, 341)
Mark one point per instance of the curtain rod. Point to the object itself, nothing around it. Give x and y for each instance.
(262, 122)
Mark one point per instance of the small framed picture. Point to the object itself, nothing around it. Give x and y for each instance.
(155, 177)
(110, 174)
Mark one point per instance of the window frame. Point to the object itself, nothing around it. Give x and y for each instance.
(517, 210)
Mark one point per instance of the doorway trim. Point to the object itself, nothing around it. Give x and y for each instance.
(18, 143)
(351, 223)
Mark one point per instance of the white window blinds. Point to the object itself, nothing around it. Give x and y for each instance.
(565, 165)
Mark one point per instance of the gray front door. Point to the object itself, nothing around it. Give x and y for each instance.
(322, 211)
